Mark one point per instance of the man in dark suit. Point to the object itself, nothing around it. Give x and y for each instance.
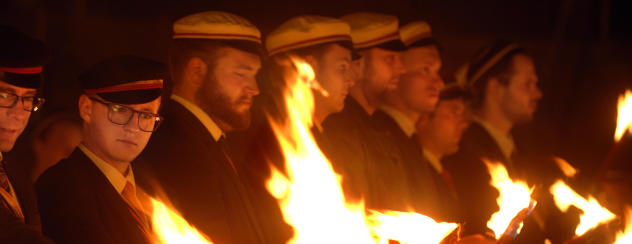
(358, 152)
(417, 92)
(325, 44)
(438, 135)
(21, 61)
(214, 59)
(503, 82)
(91, 197)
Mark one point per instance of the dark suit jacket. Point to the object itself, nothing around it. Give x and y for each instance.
(79, 205)
(477, 198)
(409, 160)
(447, 197)
(368, 161)
(12, 228)
(191, 168)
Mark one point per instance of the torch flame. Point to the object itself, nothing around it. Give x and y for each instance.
(593, 213)
(310, 194)
(566, 167)
(169, 227)
(515, 196)
(624, 116)
(626, 236)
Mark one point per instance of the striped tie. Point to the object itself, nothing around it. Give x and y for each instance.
(4, 179)
(129, 195)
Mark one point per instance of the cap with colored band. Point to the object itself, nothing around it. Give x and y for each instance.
(308, 30)
(417, 33)
(125, 80)
(374, 30)
(222, 26)
(469, 73)
(22, 58)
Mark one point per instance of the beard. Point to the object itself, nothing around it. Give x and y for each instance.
(221, 107)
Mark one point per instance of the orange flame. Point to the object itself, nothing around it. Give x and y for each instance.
(170, 227)
(515, 196)
(566, 167)
(593, 213)
(311, 197)
(626, 236)
(624, 116)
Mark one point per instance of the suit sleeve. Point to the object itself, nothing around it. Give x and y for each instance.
(14, 230)
(64, 213)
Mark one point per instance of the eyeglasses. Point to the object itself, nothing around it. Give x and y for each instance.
(122, 115)
(29, 103)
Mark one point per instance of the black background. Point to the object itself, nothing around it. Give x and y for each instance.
(582, 48)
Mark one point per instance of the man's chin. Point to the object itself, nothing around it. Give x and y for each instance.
(6, 146)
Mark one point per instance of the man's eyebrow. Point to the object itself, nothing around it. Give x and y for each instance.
(243, 66)
(7, 89)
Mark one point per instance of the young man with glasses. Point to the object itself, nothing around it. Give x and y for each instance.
(21, 60)
(91, 197)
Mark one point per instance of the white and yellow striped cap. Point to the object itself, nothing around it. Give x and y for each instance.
(417, 33)
(374, 30)
(305, 31)
(216, 25)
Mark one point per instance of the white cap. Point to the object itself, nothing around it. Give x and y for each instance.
(417, 31)
(307, 30)
(373, 29)
(216, 25)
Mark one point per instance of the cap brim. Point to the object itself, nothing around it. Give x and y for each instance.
(349, 45)
(132, 97)
(394, 45)
(425, 42)
(246, 46)
(453, 92)
(33, 81)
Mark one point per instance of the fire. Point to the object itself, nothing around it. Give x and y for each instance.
(408, 227)
(310, 194)
(626, 236)
(624, 116)
(593, 213)
(566, 167)
(169, 227)
(515, 196)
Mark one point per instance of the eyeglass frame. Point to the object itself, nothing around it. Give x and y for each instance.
(21, 98)
(159, 117)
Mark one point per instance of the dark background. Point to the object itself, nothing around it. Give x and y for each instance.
(582, 48)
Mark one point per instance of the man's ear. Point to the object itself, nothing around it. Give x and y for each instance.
(85, 108)
(195, 71)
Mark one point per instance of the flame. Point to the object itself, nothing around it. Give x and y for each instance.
(169, 227)
(408, 227)
(311, 197)
(566, 167)
(593, 213)
(626, 236)
(515, 196)
(624, 116)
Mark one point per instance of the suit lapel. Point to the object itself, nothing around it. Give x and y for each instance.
(115, 213)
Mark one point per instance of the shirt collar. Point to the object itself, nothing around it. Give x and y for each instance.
(115, 177)
(407, 126)
(202, 116)
(434, 160)
(504, 141)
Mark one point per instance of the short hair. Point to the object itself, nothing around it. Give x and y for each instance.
(183, 50)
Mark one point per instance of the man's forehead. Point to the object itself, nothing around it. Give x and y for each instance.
(238, 57)
(16, 89)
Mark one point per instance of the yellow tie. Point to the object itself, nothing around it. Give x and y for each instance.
(129, 195)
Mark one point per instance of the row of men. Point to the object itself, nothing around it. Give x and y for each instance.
(387, 122)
